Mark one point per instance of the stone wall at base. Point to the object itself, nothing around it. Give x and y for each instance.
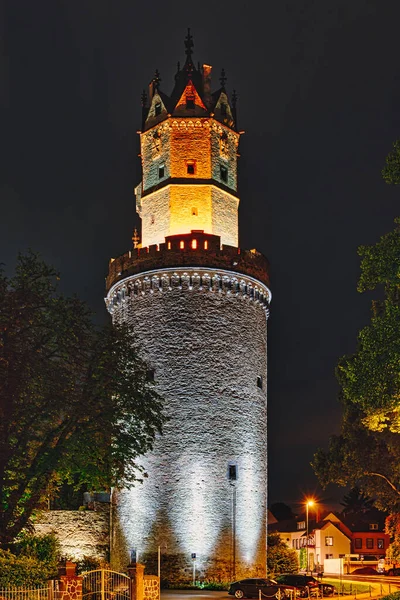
(82, 533)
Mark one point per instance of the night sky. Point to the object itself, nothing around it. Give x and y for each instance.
(319, 99)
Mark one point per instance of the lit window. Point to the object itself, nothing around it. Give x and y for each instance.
(232, 472)
(157, 108)
(259, 382)
(373, 526)
(301, 525)
(161, 171)
(328, 540)
(327, 556)
(224, 173)
(381, 543)
(181, 244)
(358, 543)
(370, 543)
(190, 103)
(194, 212)
(206, 245)
(194, 244)
(190, 168)
(169, 245)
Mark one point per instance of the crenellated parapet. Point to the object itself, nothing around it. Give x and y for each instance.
(190, 280)
(196, 249)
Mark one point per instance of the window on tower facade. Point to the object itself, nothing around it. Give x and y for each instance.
(157, 109)
(223, 173)
(161, 171)
(259, 382)
(189, 102)
(190, 167)
(232, 472)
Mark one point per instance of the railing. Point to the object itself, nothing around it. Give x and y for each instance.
(48, 592)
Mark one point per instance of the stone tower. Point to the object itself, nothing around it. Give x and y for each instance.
(199, 306)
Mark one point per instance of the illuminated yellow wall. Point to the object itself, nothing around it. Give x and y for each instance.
(191, 142)
(169, 209)
(180, 208)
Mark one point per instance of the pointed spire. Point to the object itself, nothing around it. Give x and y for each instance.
(234, 98)
(156, 79)
(234, 110)
(223, 79)
(189, 46)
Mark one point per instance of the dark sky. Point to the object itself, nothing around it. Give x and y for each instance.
(319, 96)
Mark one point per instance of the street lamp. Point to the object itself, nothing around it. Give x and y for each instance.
(308, 503)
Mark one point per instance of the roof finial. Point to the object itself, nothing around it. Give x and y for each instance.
(135, 238)
(234, 98)
(222, 79)
(189, 45)
(156, 79)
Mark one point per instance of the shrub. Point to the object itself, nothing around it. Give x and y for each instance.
(22, 570)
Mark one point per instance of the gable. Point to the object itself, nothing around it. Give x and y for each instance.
(157, 111)
(189, 94)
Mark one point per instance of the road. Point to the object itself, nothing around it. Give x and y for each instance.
(194, 595)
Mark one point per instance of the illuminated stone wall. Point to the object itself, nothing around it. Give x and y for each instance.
(172, 209)
(178, 209)
(80, 532)
(208, 347)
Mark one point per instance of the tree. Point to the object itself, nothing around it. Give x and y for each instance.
(76, 402)
(367, 453)
(391, 172)
(280, 558)
(356, 502)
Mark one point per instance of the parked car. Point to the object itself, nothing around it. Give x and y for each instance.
(304, 584)
(250, 588)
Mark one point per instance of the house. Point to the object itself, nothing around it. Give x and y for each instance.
(368, 533)
(328, 538)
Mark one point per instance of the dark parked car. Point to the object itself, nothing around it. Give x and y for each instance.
(250, 588)
(305, 584)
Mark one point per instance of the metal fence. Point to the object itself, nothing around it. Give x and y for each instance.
(34, 593)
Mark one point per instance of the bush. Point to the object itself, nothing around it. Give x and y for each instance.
(394, 596)
(44, 548)
(23, 570)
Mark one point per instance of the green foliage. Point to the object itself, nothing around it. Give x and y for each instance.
(214, 586)
(44, 548)
(367, 452)
(87, 563)
(356, 502)
(391, 172)
(65, 389)
(23, 571)
(280, 558)
(394, 596)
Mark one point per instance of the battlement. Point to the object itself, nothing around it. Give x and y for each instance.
(195, 249)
